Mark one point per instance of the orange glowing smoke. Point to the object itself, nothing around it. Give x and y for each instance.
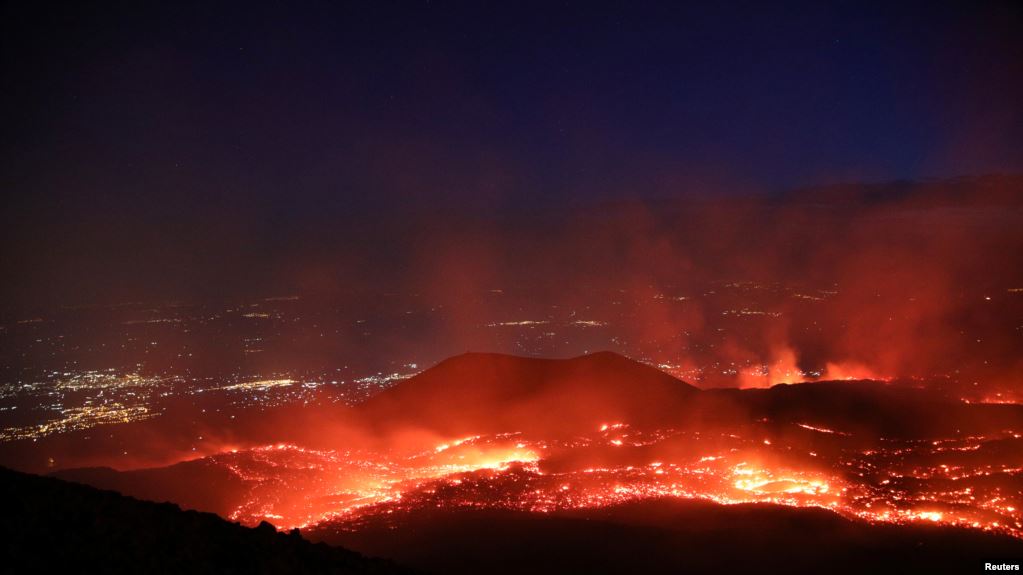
(783, 367)
(850, 371)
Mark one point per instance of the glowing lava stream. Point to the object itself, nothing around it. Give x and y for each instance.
(291, 485)
(295, 487)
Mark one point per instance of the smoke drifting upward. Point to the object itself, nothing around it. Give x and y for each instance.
(901, 280)
(883, 281)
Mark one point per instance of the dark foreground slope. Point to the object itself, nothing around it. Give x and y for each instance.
(672, 536)
(200, 484)
(51, 525)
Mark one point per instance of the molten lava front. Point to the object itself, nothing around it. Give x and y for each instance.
(971, 482)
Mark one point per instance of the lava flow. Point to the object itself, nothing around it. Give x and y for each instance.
(969, 482)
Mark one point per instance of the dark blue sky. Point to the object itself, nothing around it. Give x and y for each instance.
(441, 100)
(193, 120)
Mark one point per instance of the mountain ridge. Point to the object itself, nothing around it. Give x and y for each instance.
(495, 390)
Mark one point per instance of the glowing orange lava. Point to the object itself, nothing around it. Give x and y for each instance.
(901, 482)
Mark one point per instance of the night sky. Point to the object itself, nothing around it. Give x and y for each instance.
(145, 138)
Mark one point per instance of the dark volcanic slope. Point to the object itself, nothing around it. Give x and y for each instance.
(51, 525)
(199, 484)
(869, 409)
(478, 392)
(670, 536)
(485, 392)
